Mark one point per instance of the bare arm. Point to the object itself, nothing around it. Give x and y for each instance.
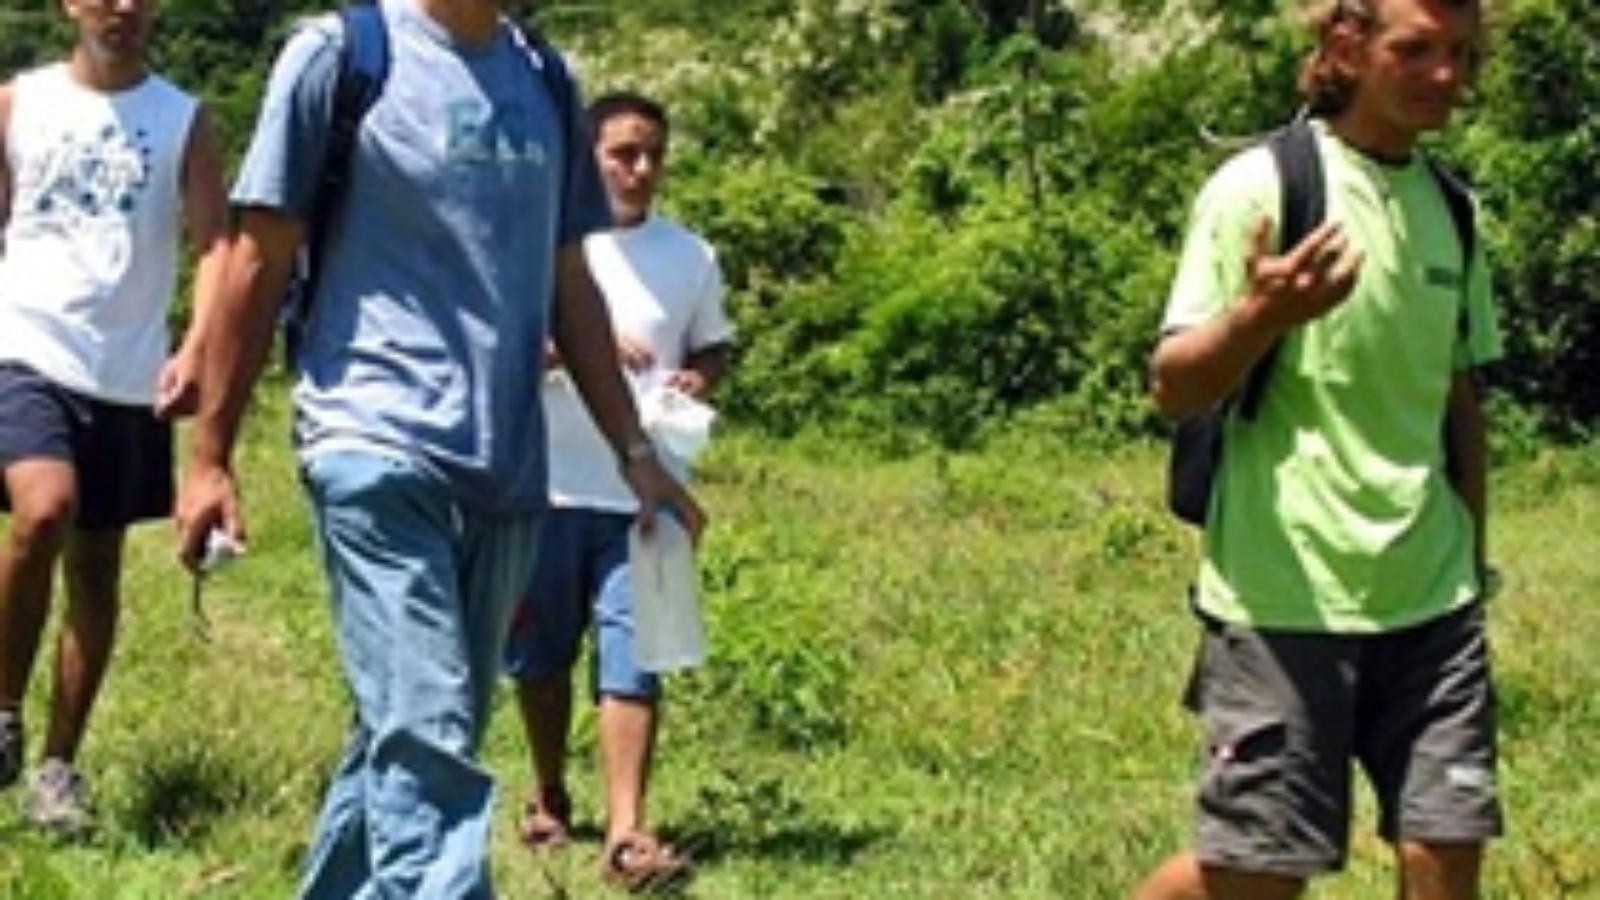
(587, 346)
(5, 162)
(205, 204)
(239, 324)
(703, 370)
(1194, 368)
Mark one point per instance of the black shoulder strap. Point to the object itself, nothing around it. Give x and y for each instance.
(1302, 200)
(363, 69)
(1459, 198)
(551, 67)
(552, 71)
(1302, 204)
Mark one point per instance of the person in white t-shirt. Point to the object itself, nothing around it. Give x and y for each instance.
(664, 288)
(105, 165)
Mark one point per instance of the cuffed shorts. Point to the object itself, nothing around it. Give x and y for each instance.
(1285, 716)
(122, 455)
(580, 576)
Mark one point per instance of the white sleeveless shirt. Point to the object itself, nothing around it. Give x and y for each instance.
(89, 260)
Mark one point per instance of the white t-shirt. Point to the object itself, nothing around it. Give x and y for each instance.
(664, 288)
(90, 256)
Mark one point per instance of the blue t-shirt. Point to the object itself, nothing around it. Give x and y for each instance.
(426, 336)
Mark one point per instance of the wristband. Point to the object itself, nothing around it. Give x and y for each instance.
(636, 450)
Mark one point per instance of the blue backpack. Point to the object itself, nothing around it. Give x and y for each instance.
(363, 70)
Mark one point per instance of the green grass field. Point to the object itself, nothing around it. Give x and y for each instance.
(948, 677)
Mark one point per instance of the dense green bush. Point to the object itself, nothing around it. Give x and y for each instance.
(1535, 152)
(939, 216)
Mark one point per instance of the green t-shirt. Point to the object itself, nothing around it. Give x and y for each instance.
(1333, 512)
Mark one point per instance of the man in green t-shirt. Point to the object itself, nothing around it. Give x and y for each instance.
(1341, 585)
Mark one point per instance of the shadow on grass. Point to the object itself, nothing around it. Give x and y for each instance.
(179, 793)
(820, 843)
(761, 818)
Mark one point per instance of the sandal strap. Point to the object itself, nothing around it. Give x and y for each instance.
(639, 860)
(547, 818)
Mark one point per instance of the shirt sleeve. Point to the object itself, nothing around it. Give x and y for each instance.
(289, 144)
(1485, 343)
(1211, 272)
(709, 324)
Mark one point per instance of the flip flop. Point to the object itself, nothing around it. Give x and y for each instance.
(547, 820)
(639, 862)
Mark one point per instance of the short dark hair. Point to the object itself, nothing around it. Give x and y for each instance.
(624, 103)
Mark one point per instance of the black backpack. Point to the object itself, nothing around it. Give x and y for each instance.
(363, 69)
(1196, 447)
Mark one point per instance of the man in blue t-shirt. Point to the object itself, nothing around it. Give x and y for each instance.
(418, 421)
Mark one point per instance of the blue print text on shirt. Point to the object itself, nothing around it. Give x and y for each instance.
(499, 134)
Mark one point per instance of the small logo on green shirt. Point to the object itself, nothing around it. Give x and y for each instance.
(1442, 277)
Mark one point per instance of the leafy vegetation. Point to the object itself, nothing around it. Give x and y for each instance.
(942, 216)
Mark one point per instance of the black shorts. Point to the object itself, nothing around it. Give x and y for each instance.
(122, 455)
(1287, 716)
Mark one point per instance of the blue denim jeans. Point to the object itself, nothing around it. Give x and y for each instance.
(422, 590)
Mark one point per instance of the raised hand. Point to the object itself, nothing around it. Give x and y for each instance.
(1313, 277)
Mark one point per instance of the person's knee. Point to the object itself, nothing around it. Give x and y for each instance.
(1186, 877)
(629, 699)
(41, 521)
(1439, 871)
(1224, 883)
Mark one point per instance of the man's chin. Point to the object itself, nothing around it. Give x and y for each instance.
(629, 216)
(118, 45)
(1432, 116)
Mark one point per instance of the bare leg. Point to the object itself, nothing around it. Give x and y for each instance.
(1183, 877)
(1439, 871)
(93, 572)
(546, 721)
(546, 708)
(627, 746)
(42, 494)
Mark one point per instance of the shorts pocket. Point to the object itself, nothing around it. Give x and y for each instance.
(1244, 754)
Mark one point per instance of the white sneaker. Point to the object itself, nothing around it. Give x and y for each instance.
(58, 800)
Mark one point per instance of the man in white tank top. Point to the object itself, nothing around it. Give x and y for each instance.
(104, 164)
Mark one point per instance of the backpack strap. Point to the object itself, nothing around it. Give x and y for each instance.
(1302, 204)
(363, 68)
(1458, 198)
(551, 70)
(1302, 200)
